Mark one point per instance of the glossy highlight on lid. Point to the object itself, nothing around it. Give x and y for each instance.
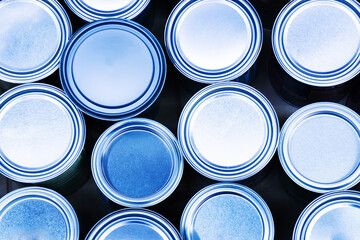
(319, 147)
(33, 34)
(318, 42)
(139, 224)
(228, 131)
(226, 211)
(331, 216)
(213, 40)
(42, 133)
(113, 69)
(37, 213)
(90, 10)
(137, 163)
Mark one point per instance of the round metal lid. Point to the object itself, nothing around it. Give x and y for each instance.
(214, 40)
(320, 147)
(113, 69)
(90, 10)
(42, 133)
(37, 213)
(331, 216)
(228, 131)
(33, 34)
(139, 224)
(137, 163)
(227, 211)
(318, 42)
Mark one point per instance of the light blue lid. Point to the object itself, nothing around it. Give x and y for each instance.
(37, 213)
(90, 10)
(137, 163)
(317, 42)
(213, 40)
(33, 34)
(133, 224)
(42, 133)
(320, 147)
(228, 131)
(331, 216)
(113, 69)
(226, 211)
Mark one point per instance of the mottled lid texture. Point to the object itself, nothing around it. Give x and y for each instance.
(37, 213)
(320, 147)
(137, 163)
(91, 10)
(133, 224)
(331, 216)
(213, 40)
(318, 42)
(228, 131)
(226, 211)
(113, 69)
(33, 34)
(42, 133)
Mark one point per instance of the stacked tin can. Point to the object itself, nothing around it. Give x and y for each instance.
(146, 84)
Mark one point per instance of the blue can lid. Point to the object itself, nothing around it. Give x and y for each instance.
(334, 215)
(226, 211)
(137, 163)
(228, 131)
(37, 213)
(113, 69)
(320, 147)
(212, 41)
(318, 42)
(139, 224)
(33, 34)
(91, 10)
(42, 133)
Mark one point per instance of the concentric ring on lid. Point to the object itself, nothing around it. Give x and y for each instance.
(42, 133)
(137, 163)
(319, 147)
(139, 224)
(215, 40)
(37, 213)
(33, 35)
(91, 10)
(228, 131)
(318, 42)
(113, 69)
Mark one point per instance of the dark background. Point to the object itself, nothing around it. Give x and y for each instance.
(284, 198)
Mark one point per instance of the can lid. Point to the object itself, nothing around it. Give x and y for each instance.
(228, 131)
(320, 147)
(91, 10)
(318, 42)
(137, 163)
(227, 211)
(331, 216)
(42, 133)
(133, 224)
(33, 34)
(214, 40)
(37, 213)
(113, 69)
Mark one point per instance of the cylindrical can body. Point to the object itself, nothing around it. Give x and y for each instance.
(213, 41)
(319, 147)
(316, 56)
(133, 224)
(37, 213)
(228, 131)
(228, 211)
(113, 69)
(43, 136)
